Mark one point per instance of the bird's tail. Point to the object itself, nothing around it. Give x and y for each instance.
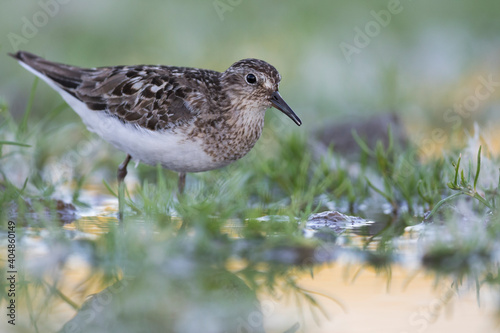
(64, 76)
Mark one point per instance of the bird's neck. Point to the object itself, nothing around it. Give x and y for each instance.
(247, 119)
(237, 134)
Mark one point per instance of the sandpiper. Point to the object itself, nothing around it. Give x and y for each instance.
(186, 119)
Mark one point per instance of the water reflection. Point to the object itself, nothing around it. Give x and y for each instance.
(143, 275)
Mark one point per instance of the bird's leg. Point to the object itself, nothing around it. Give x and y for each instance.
(122, 172)
(182, 182)
(181, 198)
(122, 169)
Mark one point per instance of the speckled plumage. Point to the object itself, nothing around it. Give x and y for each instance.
(186, 119)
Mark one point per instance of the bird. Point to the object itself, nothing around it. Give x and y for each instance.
(185, 119)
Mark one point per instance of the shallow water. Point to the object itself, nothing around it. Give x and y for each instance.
(357, 292)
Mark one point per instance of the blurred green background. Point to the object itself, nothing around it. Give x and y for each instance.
(340, 61)
(418, 64)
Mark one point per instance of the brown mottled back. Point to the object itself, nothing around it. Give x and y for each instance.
(153, 97)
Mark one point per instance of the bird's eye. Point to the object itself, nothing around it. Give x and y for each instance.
(251, 78)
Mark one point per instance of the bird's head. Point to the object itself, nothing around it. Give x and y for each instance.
(254, 83)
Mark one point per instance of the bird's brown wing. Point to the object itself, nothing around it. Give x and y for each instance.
(152, 97)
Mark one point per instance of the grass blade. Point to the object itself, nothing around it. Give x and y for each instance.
(440, 203)
(385, 195)
(362, 144)
(457, 166)
(24, 122)
(110, 189)
(478, 167)
(12, 143)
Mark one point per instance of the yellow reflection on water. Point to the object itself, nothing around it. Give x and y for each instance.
(94, 225)
(371, 304)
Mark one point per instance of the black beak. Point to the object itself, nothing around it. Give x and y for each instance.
(281, 105)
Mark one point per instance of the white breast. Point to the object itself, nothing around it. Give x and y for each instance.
(171, 148)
